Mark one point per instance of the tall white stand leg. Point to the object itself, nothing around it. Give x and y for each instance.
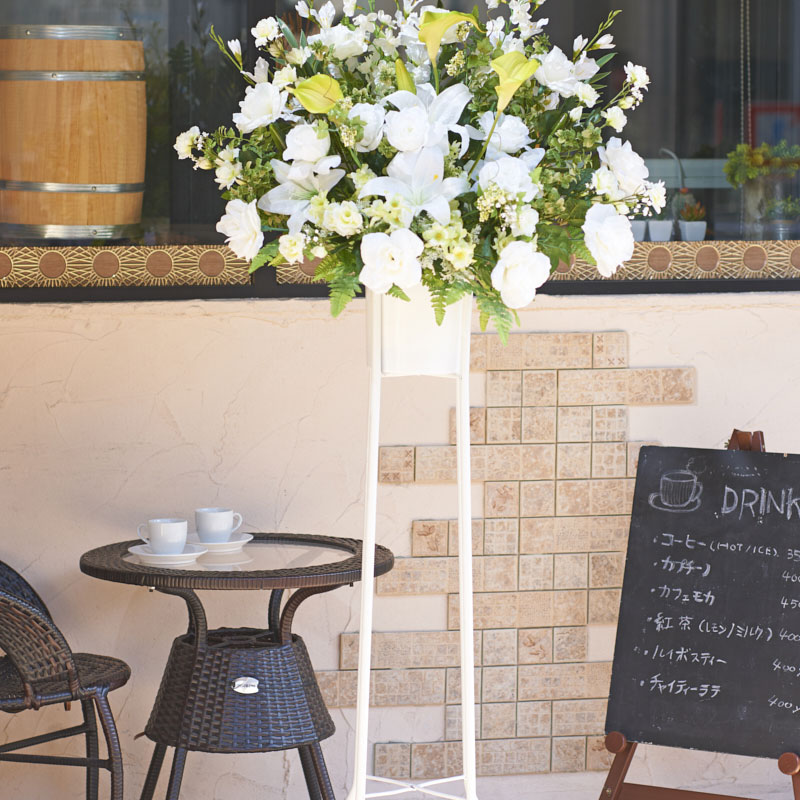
(377, 370)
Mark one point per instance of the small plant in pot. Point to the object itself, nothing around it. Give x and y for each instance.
(661, 224)
(692, 222)
(780, 217)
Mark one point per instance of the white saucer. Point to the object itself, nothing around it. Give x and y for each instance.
(233, 545)
(225, 562)
(146, 556)
(657, 503)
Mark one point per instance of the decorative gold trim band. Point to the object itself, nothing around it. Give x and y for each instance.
(84, 188)
(12, 230)
(67, 32)
(69, 75)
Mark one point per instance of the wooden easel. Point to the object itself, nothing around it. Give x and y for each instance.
(615, 787)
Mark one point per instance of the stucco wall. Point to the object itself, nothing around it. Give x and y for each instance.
(110, 413)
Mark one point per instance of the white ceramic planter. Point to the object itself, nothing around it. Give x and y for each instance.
(639, 228)
(692, 231)
(660, 229)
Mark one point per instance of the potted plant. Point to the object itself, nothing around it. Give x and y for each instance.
(780, 217)
(428, 147)
(661, 225)
(692, 222)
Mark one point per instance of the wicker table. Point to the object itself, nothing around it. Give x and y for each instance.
(197, 707)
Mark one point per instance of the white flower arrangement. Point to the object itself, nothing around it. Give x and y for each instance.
(431, 147)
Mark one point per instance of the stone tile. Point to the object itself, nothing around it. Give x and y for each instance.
(393, 760)
(609, 460)
(679, 385)
(328, 682)
(507, 609)
(436, 464)
(503, 388)
(499, 573)
(593, 387)
(513, 756)
(501, 536)
(561, 350)
(575, 388)
(570, 571)
(498, 720)
(569, 754)
(501, 499)
(538, 461)
(535, 572)
(573, 460)
(606, 569)
(435, 759)
(534, 718)
(538, 424)
(452, 722)
(477, 352)
(573, 498)
(537, 498)
(564, 681)
(644, 387)
(597, 757)
(570, 644)
(578, 717)
(574, 424)
(661, 386)
(477, 426)
(503, 461)
(499, 647)
(393, 687)
(429, 537)
(604, 606)
(574, 534)
(633, 456)
(593, 497)
(403, 649)
(609, 423)
(503, 425)
(453, 685)
(396, 465)
(535, 645)
(507, 356)
(610, 350)
(539, 388)
(569, 607)
(499, 684)
(477, 537)
(416, 576)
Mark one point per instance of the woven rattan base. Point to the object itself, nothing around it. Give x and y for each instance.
(198, 709)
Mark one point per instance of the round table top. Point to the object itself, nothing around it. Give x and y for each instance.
(270, 561)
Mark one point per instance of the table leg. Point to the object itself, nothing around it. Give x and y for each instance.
(176, 775)
(317, 779)
(153, 772)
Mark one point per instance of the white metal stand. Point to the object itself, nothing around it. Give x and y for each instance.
(381, 325)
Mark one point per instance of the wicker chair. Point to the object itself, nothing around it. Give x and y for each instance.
(39, 669)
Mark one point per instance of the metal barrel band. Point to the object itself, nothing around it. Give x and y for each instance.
(83, 188)
(70, 75)
(87, 32)
(13, 230)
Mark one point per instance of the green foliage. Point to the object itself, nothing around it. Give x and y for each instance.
(746, 163)
(343, 289)
(782, 208)
(266, 254)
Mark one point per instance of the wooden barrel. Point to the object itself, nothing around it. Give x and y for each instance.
(72, 132)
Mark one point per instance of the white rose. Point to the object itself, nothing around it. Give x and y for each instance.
(343, 41)
(284, 77)
(604, 182)
(242, 225)
(615, 117)
(510, 134)
(407, 129)
(184, 142)
(372, 116)
(637, 75)
(303, 143)
(556, 73)
(628, 166)
(609, 237)
(265, 31)
(262, 105)
(527, 220)
(587, 94)
(291, 247)
(391, 259)
(519, 272)
(510, 175)
(585, 68)
(343, 218)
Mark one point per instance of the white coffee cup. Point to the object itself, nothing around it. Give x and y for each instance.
(165, 536)
(216, 524)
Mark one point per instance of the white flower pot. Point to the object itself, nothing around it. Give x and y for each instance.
(692, 231)
(639, 228)
(660, 229)
(411, 343)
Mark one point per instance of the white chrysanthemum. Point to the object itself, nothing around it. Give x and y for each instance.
(241, 224)
(391, 259)
(266, 31)
(291, 247)
(262, 105)
(184, 142)
(609, 237)
(519, 272)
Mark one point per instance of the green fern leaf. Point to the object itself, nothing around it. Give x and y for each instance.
(343, 290)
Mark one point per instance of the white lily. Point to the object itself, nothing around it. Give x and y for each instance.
(299, 183)
(437, 114)
(419, 179)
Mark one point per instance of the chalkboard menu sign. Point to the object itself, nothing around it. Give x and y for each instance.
(708, 643)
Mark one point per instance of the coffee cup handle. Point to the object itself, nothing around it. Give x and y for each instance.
(239, 523)
(141, 535)
(698, 490)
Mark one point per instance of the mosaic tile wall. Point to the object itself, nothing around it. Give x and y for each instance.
(552, 450)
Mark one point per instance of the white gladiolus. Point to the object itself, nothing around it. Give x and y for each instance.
(579, 44)
(637, 75)
(343, 218)
(628, 166)
(576, 113)
(587, 94)
(556, 73)
(527, 220)
(235, 46)
(372, 116)
(241, 224)
(303, 143)
(184, 142)
(615, 117)
(262, 105)
(605, 42)
(325, 15)
(349, 7)
(609, 237)
(266, 31)
(391, 259)
(519, 272)
(302, 9)
(291, 247)
(511, 175)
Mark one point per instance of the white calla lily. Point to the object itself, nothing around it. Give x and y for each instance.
(419, 179)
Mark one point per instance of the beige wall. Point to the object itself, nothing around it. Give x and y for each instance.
(110, 413)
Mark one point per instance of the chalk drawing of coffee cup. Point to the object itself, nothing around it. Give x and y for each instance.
(679, 491)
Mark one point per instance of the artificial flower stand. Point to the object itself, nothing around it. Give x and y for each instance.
(403, 339)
